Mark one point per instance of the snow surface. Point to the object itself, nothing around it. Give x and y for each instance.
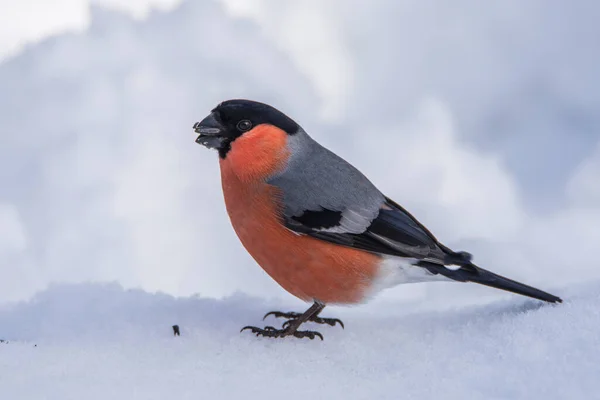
(94, 341)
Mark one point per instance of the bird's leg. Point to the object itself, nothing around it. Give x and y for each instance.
(290, 316)
(290, 327)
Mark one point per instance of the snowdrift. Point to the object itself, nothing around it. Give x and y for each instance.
(97, 341)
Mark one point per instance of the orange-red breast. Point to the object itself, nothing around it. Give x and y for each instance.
(316, 224)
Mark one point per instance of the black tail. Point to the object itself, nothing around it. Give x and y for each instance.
(472, 273)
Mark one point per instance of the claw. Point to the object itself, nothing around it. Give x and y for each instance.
(255, 329)
(248, 327)
(271, 313)
(279, 314)
(328, 321)
(267, 331)
(335, 320)
(309, 334)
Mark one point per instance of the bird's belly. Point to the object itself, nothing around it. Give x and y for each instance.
(308, 268)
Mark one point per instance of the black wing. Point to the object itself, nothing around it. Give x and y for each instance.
(393, 231)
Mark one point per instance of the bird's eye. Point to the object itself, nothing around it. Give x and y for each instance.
(244, 125)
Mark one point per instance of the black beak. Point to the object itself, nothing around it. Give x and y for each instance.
(211, 132)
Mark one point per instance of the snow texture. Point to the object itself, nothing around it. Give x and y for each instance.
(92, 341)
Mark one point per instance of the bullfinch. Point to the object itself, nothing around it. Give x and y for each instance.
(316, 224)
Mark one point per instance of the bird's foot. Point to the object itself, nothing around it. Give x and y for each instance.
(269, 331)
(292, 316)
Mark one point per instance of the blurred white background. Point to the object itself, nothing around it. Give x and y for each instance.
(483, 119)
